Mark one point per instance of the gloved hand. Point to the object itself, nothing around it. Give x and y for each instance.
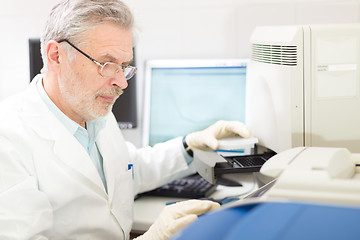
(208, 138)
(176, 216)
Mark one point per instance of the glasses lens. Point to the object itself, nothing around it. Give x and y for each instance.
(109, 70)
(129, 72)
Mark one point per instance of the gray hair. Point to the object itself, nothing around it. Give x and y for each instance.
(70, 19)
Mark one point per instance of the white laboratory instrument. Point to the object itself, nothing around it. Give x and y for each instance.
(303, 86)
(314, 174)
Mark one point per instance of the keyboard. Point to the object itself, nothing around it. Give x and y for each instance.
(193, 186)
(249, 161)
(245, 163)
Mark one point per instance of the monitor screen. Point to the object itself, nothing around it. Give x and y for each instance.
(124, 109)
(183, 96)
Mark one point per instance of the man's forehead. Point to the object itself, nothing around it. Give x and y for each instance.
(110, 35)
(110, 42)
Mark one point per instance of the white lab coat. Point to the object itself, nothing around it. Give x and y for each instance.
(49, 187)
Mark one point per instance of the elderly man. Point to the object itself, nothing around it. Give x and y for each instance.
(65, 170)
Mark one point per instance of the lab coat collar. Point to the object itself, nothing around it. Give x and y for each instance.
(68, 151)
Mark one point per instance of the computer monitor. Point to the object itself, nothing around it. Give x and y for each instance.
(183, 96)
(35, 60)
(124, 109)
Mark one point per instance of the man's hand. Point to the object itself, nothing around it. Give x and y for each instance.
(208, 138)
(175, 217)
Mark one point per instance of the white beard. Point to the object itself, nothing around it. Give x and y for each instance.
(84, 102)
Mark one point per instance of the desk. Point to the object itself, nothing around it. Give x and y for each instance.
(148, 208)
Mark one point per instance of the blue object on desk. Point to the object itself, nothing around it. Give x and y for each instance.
(276, 221)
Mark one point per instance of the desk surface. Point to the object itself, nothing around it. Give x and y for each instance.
(148, 208)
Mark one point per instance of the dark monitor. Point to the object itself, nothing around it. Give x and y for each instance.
(124, 109)
(36, 62)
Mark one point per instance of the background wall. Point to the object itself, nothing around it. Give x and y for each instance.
(168, 29)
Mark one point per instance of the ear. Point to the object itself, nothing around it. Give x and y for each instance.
(53, 56)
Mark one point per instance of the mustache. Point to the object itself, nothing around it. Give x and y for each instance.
(113, 91)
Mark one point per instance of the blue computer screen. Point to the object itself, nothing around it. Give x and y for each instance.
(188, 99)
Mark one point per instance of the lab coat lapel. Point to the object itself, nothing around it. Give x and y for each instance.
(108, 162)
(113, 165)
(78, 162)
(67, 150)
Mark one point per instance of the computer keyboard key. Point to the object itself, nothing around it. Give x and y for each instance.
(249, 161)
(193, 186)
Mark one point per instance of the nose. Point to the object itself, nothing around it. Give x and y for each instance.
(119, 80)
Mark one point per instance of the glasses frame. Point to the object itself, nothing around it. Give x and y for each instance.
(102, 65)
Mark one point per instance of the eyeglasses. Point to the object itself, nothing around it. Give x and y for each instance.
(108, 69)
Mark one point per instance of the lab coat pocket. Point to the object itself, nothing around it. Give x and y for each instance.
(123, 200)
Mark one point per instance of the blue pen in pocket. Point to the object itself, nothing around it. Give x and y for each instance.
(131, 167)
